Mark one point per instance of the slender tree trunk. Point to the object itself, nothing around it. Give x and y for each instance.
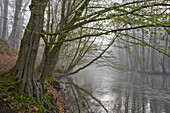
(1, 18)
(20, 29)
(12, 37)
(50, 62)
(152, 53)
(147, 60)
(143, 52)
(134, 53)
(24, 68)
(53, 56)
(47, 46)
(168, 51)
(5, 20)
(163, 63)
(127, 52)
(19, 32)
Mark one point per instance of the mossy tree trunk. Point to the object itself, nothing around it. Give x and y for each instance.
(51, 58)
(24, 68)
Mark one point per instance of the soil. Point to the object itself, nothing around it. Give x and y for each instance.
(5, 108)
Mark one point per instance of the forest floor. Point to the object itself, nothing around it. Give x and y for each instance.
(8, 58)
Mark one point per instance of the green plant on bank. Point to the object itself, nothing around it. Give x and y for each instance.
(157, 70)
(168, 70)
(49, 80)
(17, 100)
(48, 97)
(5, 82)
(40, 106)
(42, 109)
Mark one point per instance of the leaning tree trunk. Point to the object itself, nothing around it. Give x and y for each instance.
(51, 59)
(24, 68)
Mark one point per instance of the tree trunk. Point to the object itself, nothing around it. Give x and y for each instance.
(19, 32)
(163, 61)
(24, 68)
(1, 17)
(5, 20)
(50, 62)
(20, 29)
(143, 52)
(12, 36)
(52, 58)
(152, 53)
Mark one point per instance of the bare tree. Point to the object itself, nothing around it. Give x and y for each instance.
(13, 39)
(5, 20)
(1, 17)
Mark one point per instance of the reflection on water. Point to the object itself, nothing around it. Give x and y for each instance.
(123, 92)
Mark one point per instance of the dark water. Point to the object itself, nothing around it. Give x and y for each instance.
(126, 92)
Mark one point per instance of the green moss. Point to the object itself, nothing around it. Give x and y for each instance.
(148, 70)
(50, 79)
(9, 99)
(39, 105)
(42, 109)
(46, 83)
(2, 88)
(47, 96)
(20, 97)
(10, 79)
(168, 70)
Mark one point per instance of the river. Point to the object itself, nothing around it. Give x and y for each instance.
(125, 92)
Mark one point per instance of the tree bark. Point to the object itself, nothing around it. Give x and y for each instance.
(152, 53)
(13, 39)
(1, 17)
(5, 20)
(52, 58)
(24, 68)
(143, 52)
(163, 61)
(20, 29)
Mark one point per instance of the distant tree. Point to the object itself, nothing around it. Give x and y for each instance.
(1, 17)
(5, 20)
(12, 37)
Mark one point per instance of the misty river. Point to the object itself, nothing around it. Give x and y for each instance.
(126, 92)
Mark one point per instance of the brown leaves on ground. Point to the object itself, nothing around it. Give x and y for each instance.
(5, 108)
(20, 105)
(8, 56)
(6, 49)
(7, 62)
(59, 102)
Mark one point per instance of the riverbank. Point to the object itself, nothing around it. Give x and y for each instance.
(150, 72)
(11, 101)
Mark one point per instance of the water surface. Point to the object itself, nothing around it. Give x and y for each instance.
(126, 92)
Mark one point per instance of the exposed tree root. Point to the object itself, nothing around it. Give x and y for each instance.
(12, 84)
(35, 90)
